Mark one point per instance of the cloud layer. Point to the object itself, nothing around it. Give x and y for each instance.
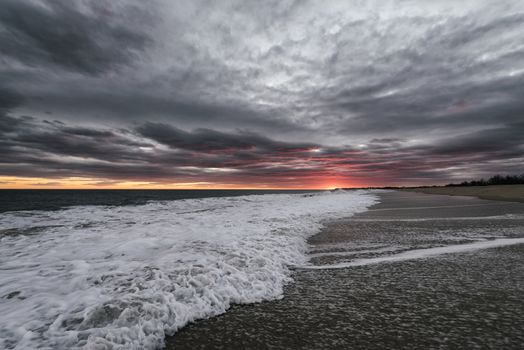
(278, 94)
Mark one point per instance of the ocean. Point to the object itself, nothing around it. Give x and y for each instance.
(124, 269)
(17, 200)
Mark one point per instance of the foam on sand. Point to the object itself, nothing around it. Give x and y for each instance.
(122, 277)
(421, 253)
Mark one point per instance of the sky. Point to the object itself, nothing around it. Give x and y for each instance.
(259, 94)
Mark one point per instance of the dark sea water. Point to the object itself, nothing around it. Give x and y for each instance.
(16, 200)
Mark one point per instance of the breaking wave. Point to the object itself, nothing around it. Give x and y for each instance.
(124, 277)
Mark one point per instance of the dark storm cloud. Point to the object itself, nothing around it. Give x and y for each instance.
(54, 149)
(58, 33)
(51, 149)
(207, 140)
(57, 150)
(488, 142)
(8, 123)
(403, 92)
(439, 108)
(26, 137)
(448, 76)
(8, 99)
(132, 102)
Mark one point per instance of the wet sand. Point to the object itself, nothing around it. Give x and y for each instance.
(464, 300)
(514, 193)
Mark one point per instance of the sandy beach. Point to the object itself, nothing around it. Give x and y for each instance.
(513, 193)
(415, 271)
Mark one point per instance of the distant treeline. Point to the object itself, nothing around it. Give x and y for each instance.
(495, 180)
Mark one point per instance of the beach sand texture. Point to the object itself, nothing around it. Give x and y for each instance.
(514, 193)
(461, 286)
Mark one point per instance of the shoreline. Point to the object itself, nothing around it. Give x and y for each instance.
(510, 193)
(459, 299)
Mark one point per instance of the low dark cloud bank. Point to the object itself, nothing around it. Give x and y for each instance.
(248, 93)
(161, 153)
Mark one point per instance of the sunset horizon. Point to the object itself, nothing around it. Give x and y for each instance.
(101, 184)
(246, 174)
(285, 96)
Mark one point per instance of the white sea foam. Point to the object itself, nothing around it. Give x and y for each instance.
(444, 206)
(421, 253)
(458, 218)
(355, 252)
(123, 277)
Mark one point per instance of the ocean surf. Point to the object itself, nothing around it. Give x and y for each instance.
(123, 277)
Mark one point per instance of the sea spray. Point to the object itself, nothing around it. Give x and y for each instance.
(123, 277)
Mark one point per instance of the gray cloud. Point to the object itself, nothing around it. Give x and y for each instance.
(60, 33)
(399, 92)
(8, 99)
(207, 140)
(56, 150)
(489, 143)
